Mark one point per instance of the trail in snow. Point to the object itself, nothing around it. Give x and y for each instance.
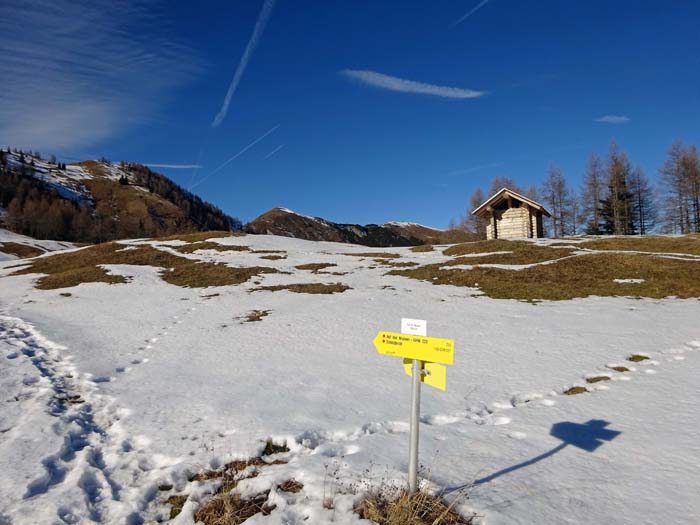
(71, 433)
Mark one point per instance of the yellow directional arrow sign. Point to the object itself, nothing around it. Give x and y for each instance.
(433, 374)
(431, 349)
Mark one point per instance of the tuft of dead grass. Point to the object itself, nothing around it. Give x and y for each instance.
(423, 248)
(273, 257)
(23, 251)
(636, 358)
(291, 485)
(419, 508)
(597, 379)
(620, 368)
(375, 255)
(581, 276)
(176, 503)
(64, 270)
(255, 316)
(209, 245)
(575, 390)
(273, 448)
(233, 509)
(312, 288)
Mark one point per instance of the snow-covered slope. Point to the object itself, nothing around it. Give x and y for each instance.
(112, 391)
(8, 239)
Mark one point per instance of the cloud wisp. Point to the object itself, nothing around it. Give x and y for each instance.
(175, 166)
(388, 82)
(234, 157)
(78, 73)
(470, 13)
(473, 169)
(260, 24)
(612, 119)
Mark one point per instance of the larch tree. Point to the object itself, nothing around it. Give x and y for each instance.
(592, 194)
(556, 195)
(616, 208)
(643, 205)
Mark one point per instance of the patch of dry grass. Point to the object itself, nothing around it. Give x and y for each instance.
(209, 245)
(23, 251)
(273, 257)
(582, 276)
(315, 267)
(575, 390)
(269, 251)
(620, 368)
(291, 485)
(200, 236)
(419, 508)
(689, 244)
(233, 509)
(255, 316)
(423, 248)
(176, 503)
(375, 255)
(64, 270)
(312, 288)
(512, 252)
(636, 358)
(597, 379)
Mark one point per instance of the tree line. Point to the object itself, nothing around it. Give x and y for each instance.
(616, 198)
(41, 210)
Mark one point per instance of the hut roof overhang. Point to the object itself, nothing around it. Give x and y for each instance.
(503, 195)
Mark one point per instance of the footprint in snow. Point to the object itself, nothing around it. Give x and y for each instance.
(517, 435)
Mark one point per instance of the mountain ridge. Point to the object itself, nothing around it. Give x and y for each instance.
(287, 223)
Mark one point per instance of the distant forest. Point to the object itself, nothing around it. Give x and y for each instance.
(109, 210)
(615, 199)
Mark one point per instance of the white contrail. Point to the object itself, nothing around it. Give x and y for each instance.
(380, 80)
(471, 12)
(234, 157)
(252, 44)
(274, 151)
(175, 166)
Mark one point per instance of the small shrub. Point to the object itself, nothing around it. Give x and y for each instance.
(272, 448)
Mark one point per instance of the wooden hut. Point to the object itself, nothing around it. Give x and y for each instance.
(512, 216)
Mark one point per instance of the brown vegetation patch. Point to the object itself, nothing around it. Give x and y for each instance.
(513, 252)
(620, 368)
(176, 503)
(233, 509)
(255, 315)
(291, 485)
(419, 508)
(597, 379)
(315, 267)
(200, 236)
(423, 248)
(273, 257)
(23, 251)
(209, 245)
(313, 288)
(269, 251)
(574, 390)
(375, 255)
(636, 358)
(82, 266)
(273, 448)
(402, 264)
(580, 276)
(689, 244)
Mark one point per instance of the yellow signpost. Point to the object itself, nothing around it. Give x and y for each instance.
(431, 349)
(421, 355)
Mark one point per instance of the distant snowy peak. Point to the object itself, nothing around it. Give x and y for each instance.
(410, 225)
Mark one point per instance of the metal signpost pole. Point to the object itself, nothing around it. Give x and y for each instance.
(415, 421)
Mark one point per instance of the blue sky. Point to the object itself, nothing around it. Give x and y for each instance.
(343, 109)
